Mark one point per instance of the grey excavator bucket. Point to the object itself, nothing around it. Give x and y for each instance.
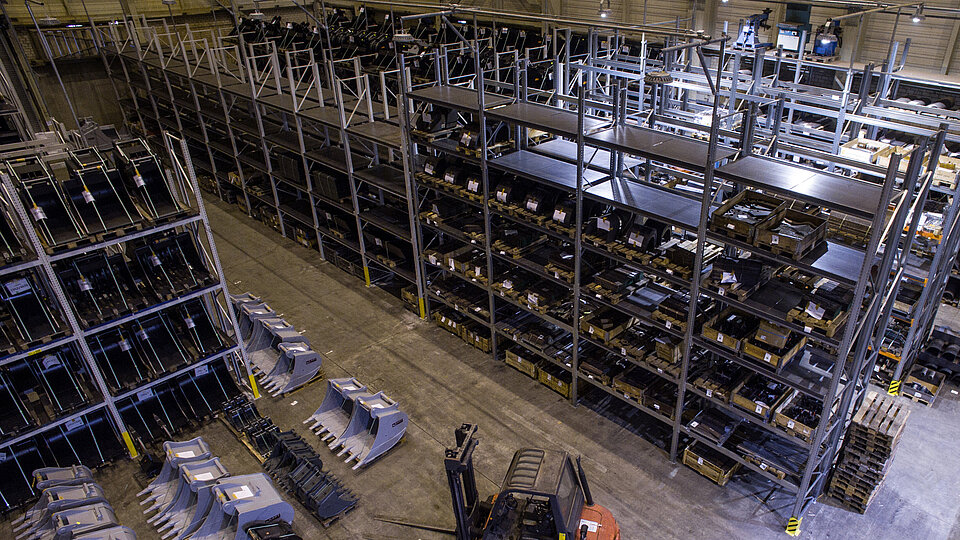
(194, 476)
(74, 522)
(112, 533)
(243, 298)
(332, 417)
(298, 364)
(264, 352)
(48, 477)
(56, 499)
(164, 486)
(239, 501)
(248, 314)
(377, 424)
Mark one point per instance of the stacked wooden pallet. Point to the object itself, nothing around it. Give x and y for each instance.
(868, 450)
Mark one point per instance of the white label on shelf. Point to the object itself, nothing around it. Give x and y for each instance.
(763, 466)
(124, 345)
(808, 329)
(532, 298)
(87, 196)
(49, 361)
(668, 324)
(656, 406)
(17, 286)
(720, 291)
(428, 168)
(507, 284)
(660, 370)
(432, 258)
(774, 239)
(790, 424)
(142, 334)
(188, 320)
(502, 196)
(138, 180)
(147, 394)
(694, 424)
(759, 409)
(599, 295)
(453, 264)
(876, 367)
(709, 393)
(476, 270)
(916, 394)
(201, 370)
(38, 213)
(719, 337)
(731, 226)
(84, 285)
(603, 224)
(203, 477)
(154, 260)
(329, 216)
(71, 425)
(556, 275)
(767, 357)
(378, 242)
(473, 185)
(590, 330)
(559, 215)
(623, 351)
(532, 205)
(449, 177)
(699, 461)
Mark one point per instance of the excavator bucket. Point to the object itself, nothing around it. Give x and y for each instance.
(194, 477)
(75, 522)
(239, 501)
(377, 424)
(298, 364)
(48, 477)
(248, 314)
(264, 352)
(333, 416)
(164, 486)
(243, 298)
(56, 499)
(112, 533)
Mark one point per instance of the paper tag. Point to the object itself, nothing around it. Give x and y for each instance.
(731, 226)
(428, 167)
(774, 239)
(453, 264)
(473, 185)
(84, 285)
(378, 242)
(623, 351)
(728, 277)
(720, 291)
(699, 461)
(465, 138)
(592, 526)
(201, 370)
(808, 329)
(603, 224)
(147, 394)
(532, 205)
(38, 213)
(188, 320)
(719, 338)
(154, 260)
(71, 425)
(203, 477)
(450, 177)
(502, 196)
(242, 493)
(432, 258)
(476, 270)
(124, 345)
(763, 466)
(709, 393)
(767, 357)
(759, 409)
(142, 334)
(17, 286)
(656, 406)
(507, 284)
(87, 196)
(815, 311)
(559, 215)
(668, 324)
(790, 424)
(50, 361)
(694, 424)
(138, 180)
(590, 330)
(532, 298)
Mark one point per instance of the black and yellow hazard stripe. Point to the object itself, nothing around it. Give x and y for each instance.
(793, 526)
(894, 389)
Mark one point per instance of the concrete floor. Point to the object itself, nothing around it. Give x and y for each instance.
(441, 382)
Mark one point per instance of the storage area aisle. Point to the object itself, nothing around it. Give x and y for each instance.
(441, 382)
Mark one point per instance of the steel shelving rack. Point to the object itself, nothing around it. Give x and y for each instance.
(330, 119)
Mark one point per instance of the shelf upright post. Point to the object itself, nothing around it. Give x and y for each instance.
(191, 177)
(578, 248)
(693, 306)
(348, 160)
(191, 71)
(413, 195)
(906, 357)
(67, 309)
(843, 352)
(485, 180)
(258, 85)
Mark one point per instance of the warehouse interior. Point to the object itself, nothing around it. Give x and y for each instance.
(511, 269)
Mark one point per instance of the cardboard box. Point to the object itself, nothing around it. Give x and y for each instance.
(710, 463)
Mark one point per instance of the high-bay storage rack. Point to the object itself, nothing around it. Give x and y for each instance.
(589, 153)
(115, 329)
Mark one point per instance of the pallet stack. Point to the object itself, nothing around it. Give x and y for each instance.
(868, 450)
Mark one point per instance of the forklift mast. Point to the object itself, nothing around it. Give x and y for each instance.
(462, 479)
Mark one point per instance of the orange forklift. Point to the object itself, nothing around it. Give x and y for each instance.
(543, 497)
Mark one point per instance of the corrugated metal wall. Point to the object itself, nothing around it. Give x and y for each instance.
(928, 51)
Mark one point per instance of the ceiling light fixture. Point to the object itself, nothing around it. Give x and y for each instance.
(918, 16)
(605, 10)
(256, 14)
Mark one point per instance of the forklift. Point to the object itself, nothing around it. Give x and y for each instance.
(543, 497)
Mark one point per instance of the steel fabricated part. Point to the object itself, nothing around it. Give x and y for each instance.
(56, 499)
(74, 522)
(239, 501)
(49, 477)
(184, 508)
(163, 487)
(377, 425)
(111, 533)
(298, 364)
(332, 417)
